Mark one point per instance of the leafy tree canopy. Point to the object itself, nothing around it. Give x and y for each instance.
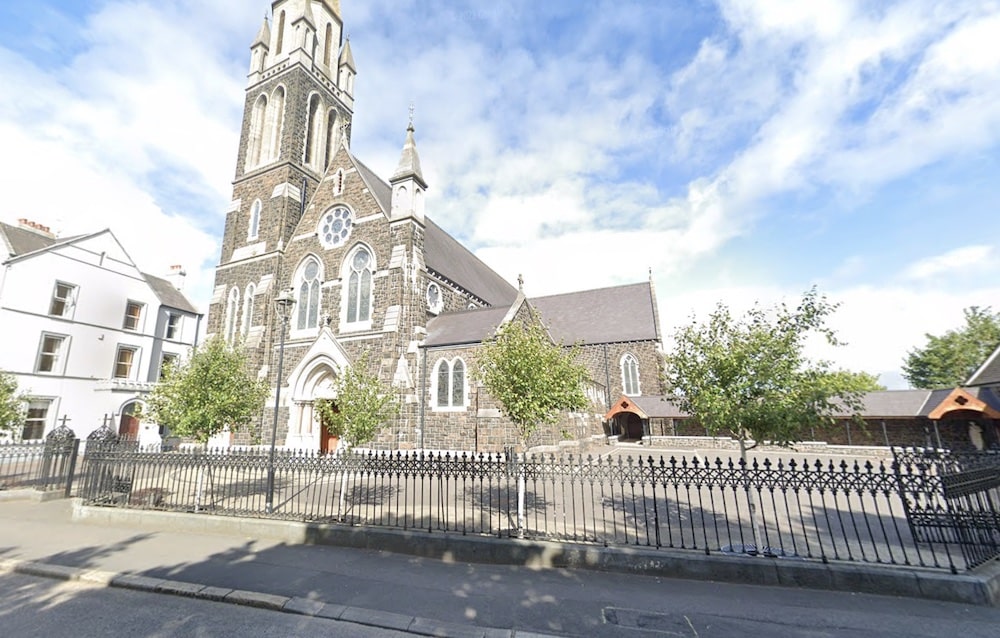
(857, 381)
(532, 378)
(213, 390)
(948, 360)
(749, 376)
(364, 405)
(12, 404)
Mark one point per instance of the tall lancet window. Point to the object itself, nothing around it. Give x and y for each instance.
(232, 314)
(308, 295)
(359, 286)
(630, 375)
(275, 120)
(254, 228)
(255, 144)
(332, 136)
(313, 155)
(248, 299)
(328, 45)
(281, 33)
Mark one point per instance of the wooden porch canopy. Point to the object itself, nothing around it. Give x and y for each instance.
(645, 407)
(960, 399)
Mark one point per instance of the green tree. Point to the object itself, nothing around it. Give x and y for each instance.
(12, 404)
(213, 390)
(948, 360)
(749, 376)
(531, 377)
(856, 381)
(364, 405)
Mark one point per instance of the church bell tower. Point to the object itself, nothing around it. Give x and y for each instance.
(297, 112)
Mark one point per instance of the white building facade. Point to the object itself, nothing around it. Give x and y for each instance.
(85, 332)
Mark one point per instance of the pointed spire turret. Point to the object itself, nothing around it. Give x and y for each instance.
(346, 57)
(258, 51)
(409, 161)
(346, 70)
(264, 35)
(407, 182)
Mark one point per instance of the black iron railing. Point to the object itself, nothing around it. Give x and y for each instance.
(953, 498)
(44, 465)
(907, 512)
(20, 464)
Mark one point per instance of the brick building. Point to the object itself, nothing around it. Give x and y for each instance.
(370, 271)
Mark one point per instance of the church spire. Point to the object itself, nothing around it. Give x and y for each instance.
(409, 160)
(264, 35)
(407, 182)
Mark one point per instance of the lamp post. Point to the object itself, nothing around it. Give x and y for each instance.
(282, 305)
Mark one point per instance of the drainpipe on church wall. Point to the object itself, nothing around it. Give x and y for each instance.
(423, 391)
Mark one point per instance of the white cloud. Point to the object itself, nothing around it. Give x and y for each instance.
(955, 262)
(576, 158)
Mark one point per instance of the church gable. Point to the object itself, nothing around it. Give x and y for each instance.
(345, 258)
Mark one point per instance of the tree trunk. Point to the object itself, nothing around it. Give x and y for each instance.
(520, 501)
(752, 499)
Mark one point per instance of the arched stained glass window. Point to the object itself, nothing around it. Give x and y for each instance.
(630, 375)
(248, 300)
(457, 383)
(308, 295)
(443, 383)
(450, 382)
(232, 314)
(359, 286)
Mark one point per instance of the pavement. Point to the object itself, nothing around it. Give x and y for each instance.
(443, 596)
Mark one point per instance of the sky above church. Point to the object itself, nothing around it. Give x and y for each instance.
(741, 151)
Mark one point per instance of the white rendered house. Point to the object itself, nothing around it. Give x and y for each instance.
(86, 333)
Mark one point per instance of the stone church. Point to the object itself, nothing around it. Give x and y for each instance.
(370, 272)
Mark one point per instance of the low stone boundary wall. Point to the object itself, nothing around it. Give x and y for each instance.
(728, 444)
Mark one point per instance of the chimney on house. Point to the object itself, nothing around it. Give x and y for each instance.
(176, 276)
(35, 227)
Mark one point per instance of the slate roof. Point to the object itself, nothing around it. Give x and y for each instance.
(895, 403)
(457, 328)
(658, 407)
(20, 241)
(453, 261)
(604, 315)
(989, 372)
(444, 255)
(168, 294)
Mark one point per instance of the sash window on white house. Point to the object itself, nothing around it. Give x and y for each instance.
(34, 423)
(173, 330)
(50, 353)
(62, 300)
(133, 315)
(124, 361)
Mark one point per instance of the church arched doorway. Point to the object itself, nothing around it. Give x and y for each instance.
(327, 440)
(306, 422)
(632, 429)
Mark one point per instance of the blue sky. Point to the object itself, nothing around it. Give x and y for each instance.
(742, 150)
